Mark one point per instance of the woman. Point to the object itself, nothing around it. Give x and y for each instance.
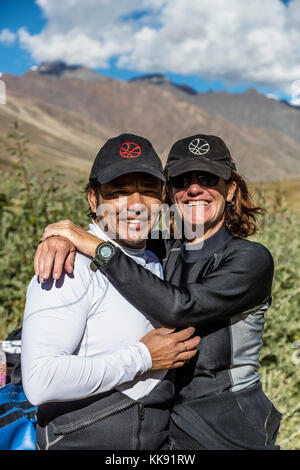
(218, 282)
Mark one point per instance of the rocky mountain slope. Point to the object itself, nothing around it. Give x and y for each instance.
(250, 108)
(68, 118)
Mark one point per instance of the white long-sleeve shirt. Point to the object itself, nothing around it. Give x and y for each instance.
(80, 337)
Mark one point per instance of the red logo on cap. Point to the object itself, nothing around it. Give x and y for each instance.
(130, 150)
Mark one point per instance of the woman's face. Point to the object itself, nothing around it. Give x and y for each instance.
(199, 204)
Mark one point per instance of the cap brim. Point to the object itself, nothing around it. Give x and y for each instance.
(116, 171)
(223, 171)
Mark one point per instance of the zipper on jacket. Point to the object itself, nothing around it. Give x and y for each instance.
(141, 414)
(75, 427)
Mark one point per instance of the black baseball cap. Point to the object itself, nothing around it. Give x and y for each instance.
(200, 152)
(126, 153)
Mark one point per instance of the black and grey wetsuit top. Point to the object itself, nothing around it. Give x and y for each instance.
(230, 348)
(222, 289)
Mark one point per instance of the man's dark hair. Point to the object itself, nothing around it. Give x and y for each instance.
(95, 187)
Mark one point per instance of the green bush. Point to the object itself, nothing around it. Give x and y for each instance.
(29, 202)
(280, 233)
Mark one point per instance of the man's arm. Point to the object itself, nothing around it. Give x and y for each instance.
(53, 327)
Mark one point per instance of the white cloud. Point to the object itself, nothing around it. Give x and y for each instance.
(295, 93)
(230, 40)
(7, 37)
(89, 33)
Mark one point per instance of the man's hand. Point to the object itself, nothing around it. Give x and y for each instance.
(170, 350)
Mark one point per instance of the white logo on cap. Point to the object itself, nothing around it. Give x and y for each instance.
(199, 146)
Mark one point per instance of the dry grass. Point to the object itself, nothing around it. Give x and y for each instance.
(290, 189)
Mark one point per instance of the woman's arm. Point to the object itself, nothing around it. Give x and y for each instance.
(243, 281)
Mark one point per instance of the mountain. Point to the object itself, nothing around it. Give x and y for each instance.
(250, 108)
(67, 120)
(59, 139)
(253, 109)
(60, 69)
(159, 79)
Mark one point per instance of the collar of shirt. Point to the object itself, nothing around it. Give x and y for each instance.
(192, 252)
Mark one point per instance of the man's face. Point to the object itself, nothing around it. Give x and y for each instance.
(128, 207)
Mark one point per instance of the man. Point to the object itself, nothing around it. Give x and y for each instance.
(94, 365)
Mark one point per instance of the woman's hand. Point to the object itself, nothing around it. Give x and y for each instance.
(170, 350)
(54, 254)
(82, 240)
(58, 252)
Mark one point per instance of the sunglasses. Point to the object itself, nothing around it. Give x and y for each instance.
(185, 179)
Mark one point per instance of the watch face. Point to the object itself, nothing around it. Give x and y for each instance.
(106, 251)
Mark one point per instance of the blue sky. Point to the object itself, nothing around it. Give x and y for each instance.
(43, 24)
(13, 59)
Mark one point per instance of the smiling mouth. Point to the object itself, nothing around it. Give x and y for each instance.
(137, 223)
(197, 203)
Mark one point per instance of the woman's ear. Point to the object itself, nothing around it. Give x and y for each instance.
(92, 200)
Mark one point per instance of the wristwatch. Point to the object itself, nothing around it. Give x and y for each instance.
(104, 252)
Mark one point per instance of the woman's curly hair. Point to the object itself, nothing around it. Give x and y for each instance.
(241, 214)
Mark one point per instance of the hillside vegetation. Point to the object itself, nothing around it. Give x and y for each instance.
(30, 200)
